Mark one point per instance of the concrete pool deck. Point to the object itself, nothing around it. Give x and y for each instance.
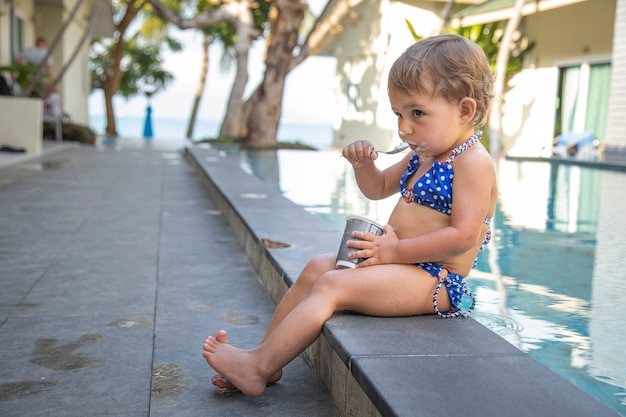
(116, 263)
(114, 267)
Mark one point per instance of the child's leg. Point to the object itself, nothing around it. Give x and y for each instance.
(314, 269)
(383, 290)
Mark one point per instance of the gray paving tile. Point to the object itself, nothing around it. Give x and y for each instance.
(75, 366)
(17, 280)
(114, 267)
(94, 289)
(187, 390)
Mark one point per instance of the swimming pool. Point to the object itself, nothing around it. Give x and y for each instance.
(553, 280)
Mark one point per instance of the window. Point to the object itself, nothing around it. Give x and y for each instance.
(19, 30)
(583, 99)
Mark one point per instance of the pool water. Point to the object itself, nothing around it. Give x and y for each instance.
(553, 280)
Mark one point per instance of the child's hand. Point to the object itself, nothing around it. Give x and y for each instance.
(376, 249)
(360, 153)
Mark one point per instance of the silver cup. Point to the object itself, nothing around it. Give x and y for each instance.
(354, 223)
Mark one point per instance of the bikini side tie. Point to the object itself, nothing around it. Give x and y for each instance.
(446, 280)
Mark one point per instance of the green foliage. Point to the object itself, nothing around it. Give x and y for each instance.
(260, 15)
(143, 70)
(489, 37)
(226, 34)
(21, 74)
(414, 33)
(71, 132)
(142, 66)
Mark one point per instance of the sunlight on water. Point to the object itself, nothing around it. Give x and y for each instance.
(551, 282)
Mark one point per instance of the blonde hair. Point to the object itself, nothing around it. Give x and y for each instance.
(452, 66)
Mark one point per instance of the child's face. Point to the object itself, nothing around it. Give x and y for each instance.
(428, 123)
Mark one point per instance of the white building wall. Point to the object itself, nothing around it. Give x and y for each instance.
(530, 104)
(5, 27)
(358, 75)
(75, 84)
(528, 113)
(571, 33)
(616, 125)
(425, 22)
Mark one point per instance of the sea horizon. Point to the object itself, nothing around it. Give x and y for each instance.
(315, 135)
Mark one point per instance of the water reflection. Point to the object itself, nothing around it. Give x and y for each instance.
(552, 281)
(608, 292)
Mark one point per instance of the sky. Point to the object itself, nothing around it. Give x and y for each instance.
(308, 97)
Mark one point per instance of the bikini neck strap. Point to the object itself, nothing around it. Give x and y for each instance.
(464, 146)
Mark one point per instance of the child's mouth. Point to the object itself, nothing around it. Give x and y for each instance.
(418, 147)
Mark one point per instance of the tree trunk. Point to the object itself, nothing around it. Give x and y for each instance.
(111, 129)
(495, 115)
(262, 126)
(114, 74)
(206, 41)
(233, 119)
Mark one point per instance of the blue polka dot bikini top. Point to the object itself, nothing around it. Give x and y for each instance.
(434, 188)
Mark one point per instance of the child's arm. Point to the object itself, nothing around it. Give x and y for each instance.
(374, 183)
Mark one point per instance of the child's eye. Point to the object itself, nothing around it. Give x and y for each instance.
(418, 113)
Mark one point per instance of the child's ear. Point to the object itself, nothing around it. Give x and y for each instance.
(467, 107)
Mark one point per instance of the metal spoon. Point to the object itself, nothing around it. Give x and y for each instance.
(401, 146)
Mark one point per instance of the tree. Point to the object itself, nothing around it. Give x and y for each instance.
(226, 34)
(106, 60)
(240, 14)
(262, 124)
(284, 52)
(263, 108)
(130, 64)
(222, 31)
(206, 41)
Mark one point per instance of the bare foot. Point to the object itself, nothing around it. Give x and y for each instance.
(237, 365)
(221, 381)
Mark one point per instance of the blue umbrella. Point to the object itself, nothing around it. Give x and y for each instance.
(147, 128)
